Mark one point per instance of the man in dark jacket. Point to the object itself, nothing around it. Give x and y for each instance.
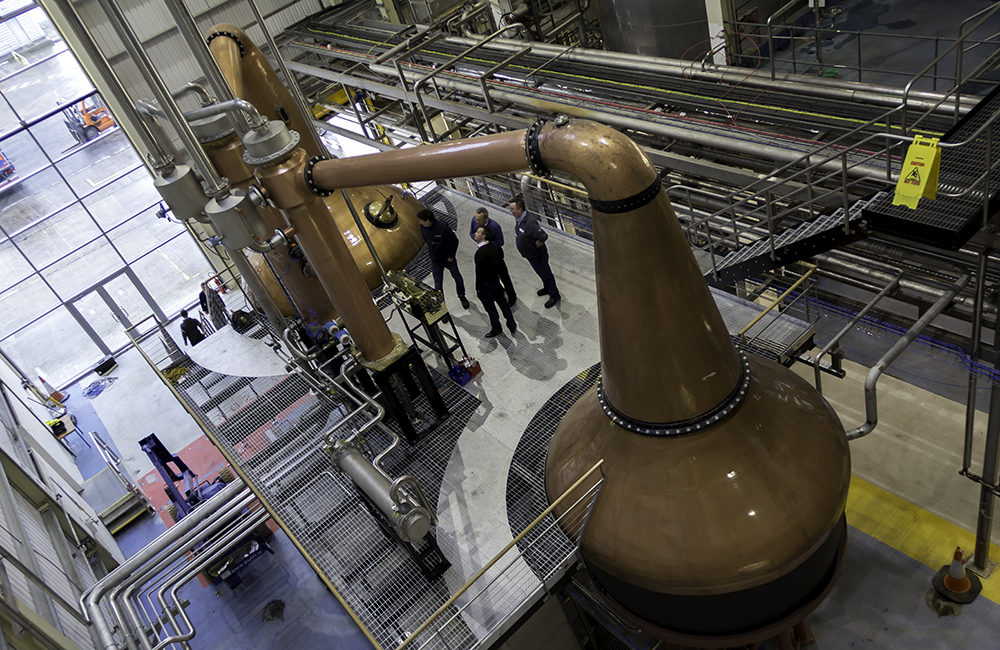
(442, 244)
(482, 220)
(531, 245)
(191, 330)
(488, 284)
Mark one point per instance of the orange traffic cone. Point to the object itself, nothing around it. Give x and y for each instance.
(956, 580)
(55, 395)
(954, 583)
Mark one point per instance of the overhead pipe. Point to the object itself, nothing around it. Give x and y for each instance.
(875, 94)
(676, 132)
(889, 288)
(871, 380)
(188, 30)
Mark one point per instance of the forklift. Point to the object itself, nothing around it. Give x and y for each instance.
(88, 118)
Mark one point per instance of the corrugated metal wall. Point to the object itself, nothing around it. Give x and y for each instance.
(52, 571)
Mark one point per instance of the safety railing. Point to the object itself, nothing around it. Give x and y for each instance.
(118, 468)
(869, 155)
(768, 37)
(509, 591)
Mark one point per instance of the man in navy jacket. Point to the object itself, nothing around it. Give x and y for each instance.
(495, 232)
(442, 244)
(531, 245)
(488, 284)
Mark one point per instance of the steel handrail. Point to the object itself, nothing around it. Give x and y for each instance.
(448, 603)
(770, 34)
(958, 41)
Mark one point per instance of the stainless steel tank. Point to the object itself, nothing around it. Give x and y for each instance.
(676, 29)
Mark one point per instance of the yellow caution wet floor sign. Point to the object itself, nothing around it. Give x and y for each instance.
(919, 176)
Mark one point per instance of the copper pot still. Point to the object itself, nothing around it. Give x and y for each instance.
(721, 517)
(388, 215)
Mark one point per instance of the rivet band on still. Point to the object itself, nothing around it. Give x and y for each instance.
(531, 150)
(634, 202)
(214, 35)
(682, 427)
(308, 175)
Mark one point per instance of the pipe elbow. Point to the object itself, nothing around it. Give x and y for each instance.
(609, 164)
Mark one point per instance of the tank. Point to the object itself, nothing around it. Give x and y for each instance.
(675, 29)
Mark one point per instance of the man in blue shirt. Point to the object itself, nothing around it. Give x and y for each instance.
(531, 245)
(442, 244)
(482, 220)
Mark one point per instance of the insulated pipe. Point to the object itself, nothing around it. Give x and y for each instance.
(251, 118)
(878, 95)
(676, 132)
(214, 183)
(871, 403)
(120, 596)
(200, 562)
(90, 600)
(159, 158)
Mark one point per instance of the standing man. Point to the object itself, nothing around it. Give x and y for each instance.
(531, 245)
(495, 232)
(488, 284)
(191, 330)
(442, 244)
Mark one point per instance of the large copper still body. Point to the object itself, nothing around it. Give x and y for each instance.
(721, 518)
(395, 235)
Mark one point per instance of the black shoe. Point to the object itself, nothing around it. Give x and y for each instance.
(493, 333)
(543, 291)
(551, 302)
(513, 328)
(464, 301)
(511, 301)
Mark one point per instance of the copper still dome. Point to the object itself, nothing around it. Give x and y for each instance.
(722, 512)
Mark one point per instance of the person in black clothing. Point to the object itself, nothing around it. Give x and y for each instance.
(191, 330)
(442, 244)
(531, 245)
(482, 220)
(488, 284)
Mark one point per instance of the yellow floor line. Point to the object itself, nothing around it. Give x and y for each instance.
(913, 531)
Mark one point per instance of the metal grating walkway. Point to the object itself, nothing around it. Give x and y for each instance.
(950, 221)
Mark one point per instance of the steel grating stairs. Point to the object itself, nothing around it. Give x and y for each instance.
(817, 235)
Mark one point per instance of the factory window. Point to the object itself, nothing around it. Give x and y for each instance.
(82, 253)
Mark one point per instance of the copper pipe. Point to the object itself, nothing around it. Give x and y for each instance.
(645, 243)
(252, 78)
(492, 154)
(328, 253)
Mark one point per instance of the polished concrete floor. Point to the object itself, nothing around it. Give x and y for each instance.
(906, 490)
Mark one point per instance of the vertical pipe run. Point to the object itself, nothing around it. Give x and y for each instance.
(131, 41)
(977, 332)
(984, 525)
